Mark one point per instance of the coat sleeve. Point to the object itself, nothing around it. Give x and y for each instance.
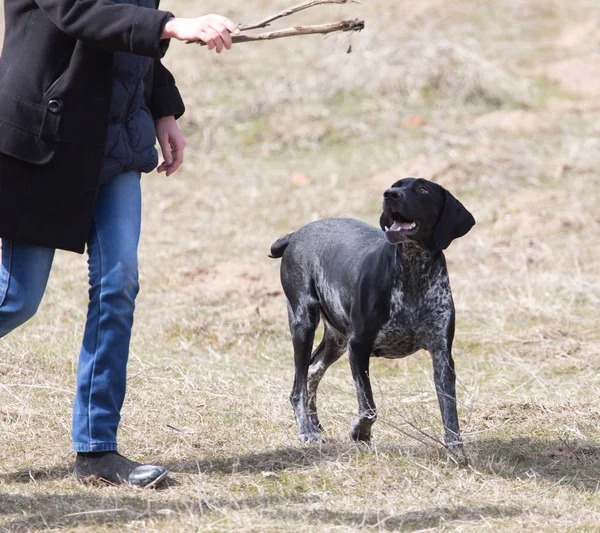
(114, 27)
(165, 100)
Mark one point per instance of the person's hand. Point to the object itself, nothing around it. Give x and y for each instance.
(214, 30)
(172, 144)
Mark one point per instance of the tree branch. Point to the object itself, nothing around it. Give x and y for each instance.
(344, 25)
(290, 11)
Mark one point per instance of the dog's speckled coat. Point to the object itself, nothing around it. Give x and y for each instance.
(379, 293)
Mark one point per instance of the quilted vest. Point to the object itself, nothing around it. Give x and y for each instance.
(131, 137)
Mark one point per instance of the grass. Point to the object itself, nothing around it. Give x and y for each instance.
(464, 92)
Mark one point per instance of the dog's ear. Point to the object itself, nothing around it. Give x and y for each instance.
(455, 222)
(384, 221)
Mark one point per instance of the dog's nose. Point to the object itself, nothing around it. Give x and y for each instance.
(392, 193)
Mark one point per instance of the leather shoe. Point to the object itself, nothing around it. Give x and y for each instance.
(113, 468)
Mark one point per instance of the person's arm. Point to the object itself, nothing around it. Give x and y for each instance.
(172, 144)
(166, 106)
(165, 99)
(130, 28)
(115, 27)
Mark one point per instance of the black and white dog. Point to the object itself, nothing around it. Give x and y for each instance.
(380, 293)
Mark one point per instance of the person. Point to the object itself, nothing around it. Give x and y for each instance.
(83, 97)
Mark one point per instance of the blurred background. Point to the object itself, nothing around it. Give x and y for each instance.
(496, 100)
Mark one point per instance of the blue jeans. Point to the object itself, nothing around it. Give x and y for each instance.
(113, 273)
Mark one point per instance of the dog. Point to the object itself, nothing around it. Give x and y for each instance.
(380, 292)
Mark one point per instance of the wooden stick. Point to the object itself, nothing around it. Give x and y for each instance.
(290, 11)
(344, 25)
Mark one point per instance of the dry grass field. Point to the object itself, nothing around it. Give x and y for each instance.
(499, 101)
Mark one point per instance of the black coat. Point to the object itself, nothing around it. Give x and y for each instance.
(55, 90)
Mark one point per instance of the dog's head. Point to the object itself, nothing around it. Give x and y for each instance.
(415, 209)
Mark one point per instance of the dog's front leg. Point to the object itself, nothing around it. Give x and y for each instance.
(367, 412)
(445, 386)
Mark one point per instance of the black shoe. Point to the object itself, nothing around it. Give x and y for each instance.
(118, 470)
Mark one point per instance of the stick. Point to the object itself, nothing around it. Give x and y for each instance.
(290, 11)
(345, 25)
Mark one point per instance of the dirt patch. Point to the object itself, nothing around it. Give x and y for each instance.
(573, 106)
(250, 287)
(515, 121)
(580, 35)
(578, 75)
(534, 213)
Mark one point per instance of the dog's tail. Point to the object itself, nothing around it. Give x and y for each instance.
(279, 246)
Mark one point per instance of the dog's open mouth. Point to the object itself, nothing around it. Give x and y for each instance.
(400, 228)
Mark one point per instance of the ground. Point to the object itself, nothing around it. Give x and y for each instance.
(496, 100)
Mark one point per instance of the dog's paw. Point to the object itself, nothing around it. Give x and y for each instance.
(314, 419)
(361, 430)
(311, 437)
(457, 453)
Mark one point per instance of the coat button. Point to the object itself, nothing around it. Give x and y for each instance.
(55, 106)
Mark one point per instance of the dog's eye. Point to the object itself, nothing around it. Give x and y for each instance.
(423, 190)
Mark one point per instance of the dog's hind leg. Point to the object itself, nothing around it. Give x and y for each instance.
(304, 319)
(331, 348)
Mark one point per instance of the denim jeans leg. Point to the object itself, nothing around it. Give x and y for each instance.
(113, 272)
(23, 277)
